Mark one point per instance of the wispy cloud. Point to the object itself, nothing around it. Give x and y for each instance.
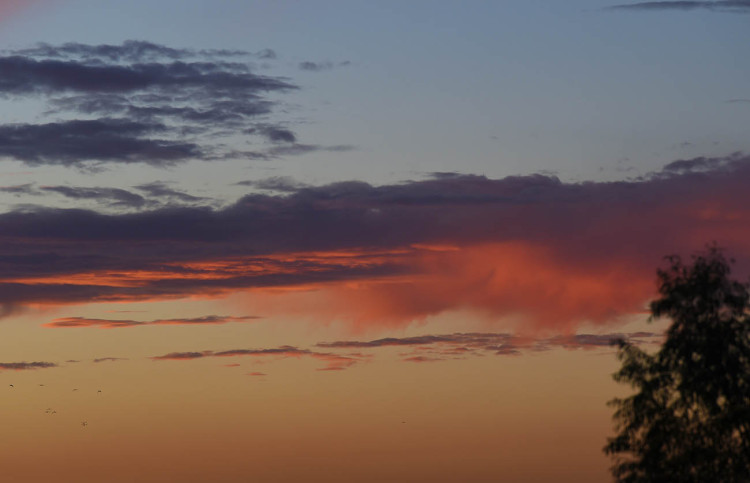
(433, 348)
(333, 362)
(23, 366)
(109, 359)
(138, 102)
(68, 322)
(322, 65)
(721, 6)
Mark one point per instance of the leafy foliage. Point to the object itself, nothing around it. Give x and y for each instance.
(689, 420)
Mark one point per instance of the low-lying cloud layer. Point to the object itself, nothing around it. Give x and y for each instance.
(531, 247)
(428, 348)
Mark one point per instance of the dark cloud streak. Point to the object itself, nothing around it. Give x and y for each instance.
(151, 104)
(721, 6)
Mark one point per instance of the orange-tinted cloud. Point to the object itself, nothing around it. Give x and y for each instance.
(533, 249)
(511, 279)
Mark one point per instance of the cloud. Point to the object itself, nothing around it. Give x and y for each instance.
(427, 348)
(71, 143)
(275, 183)
(21, 189)
(274, 134)
(137, 102)
(159, 189)
(321, 66)
(115, 197)
(179, 356)
(422, 359)
(528, 249)
(333, 362)
(68, 322)
(23, 366)
(159, 193)
(109, 359)
(432, 348)
(723, 6)
(130, 51)
(296, 149)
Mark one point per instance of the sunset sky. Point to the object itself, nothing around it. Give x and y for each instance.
(349, 240)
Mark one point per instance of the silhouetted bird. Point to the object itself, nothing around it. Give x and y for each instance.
(84, 423)
(11, 385)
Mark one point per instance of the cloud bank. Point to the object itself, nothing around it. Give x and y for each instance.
(531, 248)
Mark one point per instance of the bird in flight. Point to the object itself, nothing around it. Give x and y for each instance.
(11, 385)
(84, 423)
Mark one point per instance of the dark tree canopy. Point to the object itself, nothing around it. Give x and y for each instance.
(689, 420)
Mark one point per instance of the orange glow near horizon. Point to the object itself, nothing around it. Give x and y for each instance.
(498, 280)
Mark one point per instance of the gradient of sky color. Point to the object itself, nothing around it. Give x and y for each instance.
(348, 241)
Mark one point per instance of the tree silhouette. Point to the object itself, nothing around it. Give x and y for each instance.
(689, 420)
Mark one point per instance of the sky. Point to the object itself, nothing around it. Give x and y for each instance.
(349, 240)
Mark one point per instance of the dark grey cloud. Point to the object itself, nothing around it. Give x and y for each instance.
(176, 356)
(71, 143)
(724, 6)
(430, 348)
(20, 189)
(22, 366)
(297, 149)
(112, 196)
(700, 164)
(157, 194)
(284, 184)
(159, 189)
(334, 362)
(274, 134)
(109, 359)
(78, 322)
(131, 51)
(137, 102)
(266, 54)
